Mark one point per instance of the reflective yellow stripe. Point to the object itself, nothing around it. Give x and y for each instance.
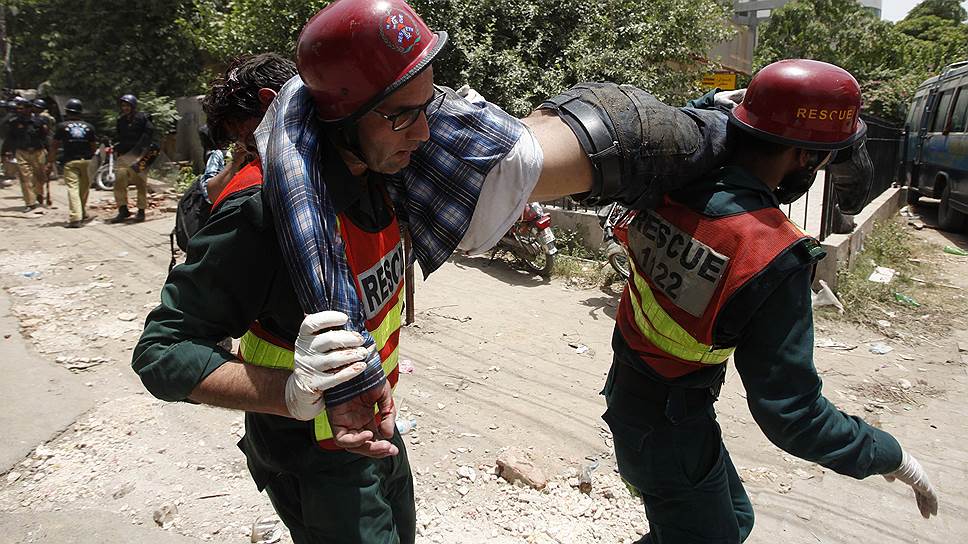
(263, 353)
(659, 328)
(390, 323)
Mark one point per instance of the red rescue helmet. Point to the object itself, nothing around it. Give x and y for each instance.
(354, 53)
(802, 103)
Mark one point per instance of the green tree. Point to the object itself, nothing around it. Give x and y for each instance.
(98, 50)
(515, 52)
(949, 10)
(889, 61)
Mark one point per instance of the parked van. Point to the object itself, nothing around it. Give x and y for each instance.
(934, 150)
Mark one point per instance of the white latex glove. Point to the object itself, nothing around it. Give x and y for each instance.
(321, 348)
(911, 473)
(729, 99)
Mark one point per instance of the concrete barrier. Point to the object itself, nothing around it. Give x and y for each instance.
(843, 249)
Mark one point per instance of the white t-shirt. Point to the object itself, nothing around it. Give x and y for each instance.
(505, 192)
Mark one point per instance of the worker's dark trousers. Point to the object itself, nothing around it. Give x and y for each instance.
(363, 501)
(688, 483)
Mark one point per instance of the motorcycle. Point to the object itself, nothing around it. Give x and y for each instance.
(103, 166)
(609, 218)
(531, 240)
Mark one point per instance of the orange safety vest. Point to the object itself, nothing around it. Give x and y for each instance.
(685, 268)
(377, 262)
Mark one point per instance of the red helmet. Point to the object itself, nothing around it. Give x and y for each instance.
(802, 103)
(354, 53)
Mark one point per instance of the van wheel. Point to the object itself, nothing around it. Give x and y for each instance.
(950, 219)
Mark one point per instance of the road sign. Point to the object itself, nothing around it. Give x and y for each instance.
(724, 80)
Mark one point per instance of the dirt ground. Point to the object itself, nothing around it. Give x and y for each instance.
(499, 359)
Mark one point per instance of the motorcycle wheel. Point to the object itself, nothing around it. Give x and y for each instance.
(619, 261)
(533, 254)
(102, 180)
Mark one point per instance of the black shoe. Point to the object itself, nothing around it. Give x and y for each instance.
(140, 216)
(123, 214)
(74, 224)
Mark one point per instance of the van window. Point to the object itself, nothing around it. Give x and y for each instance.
(917, 110)
(960, 113)
(941, 112)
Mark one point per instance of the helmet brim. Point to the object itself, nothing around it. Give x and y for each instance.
(406, 76)
(737, 119)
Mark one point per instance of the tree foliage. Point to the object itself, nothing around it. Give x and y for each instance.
(515, 52)
(888, 60)
(100, 50)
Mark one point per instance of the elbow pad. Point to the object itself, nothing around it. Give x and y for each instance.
(640, 147)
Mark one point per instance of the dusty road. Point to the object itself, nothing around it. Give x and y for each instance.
(89, 456)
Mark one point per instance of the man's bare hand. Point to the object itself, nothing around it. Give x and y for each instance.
(356, 428)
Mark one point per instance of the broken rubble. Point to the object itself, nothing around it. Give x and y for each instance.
(517, 466)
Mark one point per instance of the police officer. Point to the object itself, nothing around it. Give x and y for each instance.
(134, 130)
(40, 109)
(719, 272)
(79, 142)
(27, 136)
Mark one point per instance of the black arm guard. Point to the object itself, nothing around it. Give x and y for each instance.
(640, 147)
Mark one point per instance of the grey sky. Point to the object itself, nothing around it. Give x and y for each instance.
(895, 10)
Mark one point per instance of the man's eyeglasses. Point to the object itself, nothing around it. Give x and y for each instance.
(403, 119)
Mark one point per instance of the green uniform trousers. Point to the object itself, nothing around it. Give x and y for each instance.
(78, 186)
(125, 175)
(349, 499)
(690, 488)
(32, 170)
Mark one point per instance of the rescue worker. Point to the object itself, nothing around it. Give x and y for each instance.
(79, 142)
(387, 115)
(134, 131)
(27, 137)
(718, 271)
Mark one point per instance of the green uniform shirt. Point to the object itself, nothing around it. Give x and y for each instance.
(234, 275)
(770, 322)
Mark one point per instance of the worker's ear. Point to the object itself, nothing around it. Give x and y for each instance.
(266, 96)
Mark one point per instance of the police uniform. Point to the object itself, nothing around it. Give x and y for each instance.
(134, 135)
(27, 136)
(77, 138)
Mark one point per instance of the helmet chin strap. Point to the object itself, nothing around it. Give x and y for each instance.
(347, 137)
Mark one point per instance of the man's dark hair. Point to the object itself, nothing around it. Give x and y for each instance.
(234, 95)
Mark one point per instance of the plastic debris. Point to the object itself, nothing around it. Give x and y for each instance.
(404, 426)
(882, 274)
(32, 274)
(266, 530)
(826, 297)
(904, 384)
(582, 348)
(883, 323)
(833, 344)
(880, 348)
(955, 251)
(406, 366)
(904, 299)
(907, 212)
